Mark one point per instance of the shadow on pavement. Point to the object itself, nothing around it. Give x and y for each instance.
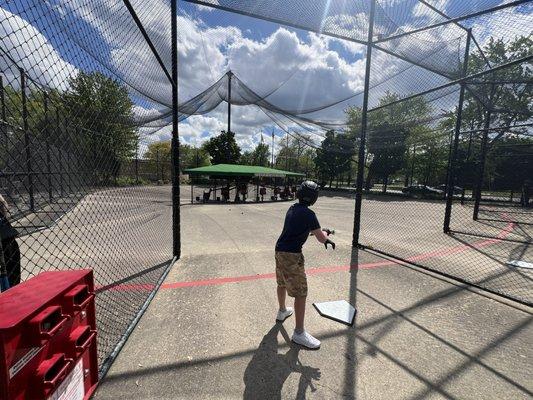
(268, 370)
(272, 363)
(350, 372)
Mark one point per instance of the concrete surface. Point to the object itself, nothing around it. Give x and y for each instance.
(210, 332)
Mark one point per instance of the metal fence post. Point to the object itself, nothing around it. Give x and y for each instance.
(2, 99)
(67, 145)
(47, 139)
(482, 157)
(59, 152)
(176, 234)
(362, 142)
(453, 158)
(27, 142)
(137, 163)
(3, 113)
(157, 167)
(3, 132)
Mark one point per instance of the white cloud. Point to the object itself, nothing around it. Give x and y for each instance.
(308, 71)
(32, 51)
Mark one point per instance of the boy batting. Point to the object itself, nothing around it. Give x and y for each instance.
(300, 222)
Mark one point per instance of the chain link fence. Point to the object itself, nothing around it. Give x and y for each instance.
(437, 149)
(81, 187)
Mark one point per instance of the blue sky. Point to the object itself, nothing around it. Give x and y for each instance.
(62, 38)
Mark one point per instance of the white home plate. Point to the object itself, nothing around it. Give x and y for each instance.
(520, 264)
(340, 311)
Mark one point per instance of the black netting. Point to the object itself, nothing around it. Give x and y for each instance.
(86, 109)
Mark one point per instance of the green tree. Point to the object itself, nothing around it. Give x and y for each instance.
(159, 151)
(223, 149)
(295, 154)
(388, 133)
(333, 157)
(260, 155)
(192, 157)
(100, 108)
(510, 163)
(159, 155)
(427, 159)
(512, 101)
(510, 97)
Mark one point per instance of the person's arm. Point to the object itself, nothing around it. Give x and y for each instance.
(319, 234)
(322, 238)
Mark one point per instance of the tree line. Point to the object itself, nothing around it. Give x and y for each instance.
(89, 126)
(408, 142)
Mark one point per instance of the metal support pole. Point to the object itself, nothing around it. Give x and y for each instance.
(157, 167)
(362, 142)
(47, 139)
(450, 150)
(147, 38)
(176, 228)
(467, 160)
(481, 166)
(27, 143)
(4, 133)
(60, 152)
(287, 154)
(412, 165)
(2, 100)
(230, 74)
(69, 162)
(3, 115)
(453, 158)
(137, 163)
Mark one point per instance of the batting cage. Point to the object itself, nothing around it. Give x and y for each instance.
(428, 130)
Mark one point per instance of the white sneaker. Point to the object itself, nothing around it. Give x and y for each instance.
(306, 340)
(283, 315)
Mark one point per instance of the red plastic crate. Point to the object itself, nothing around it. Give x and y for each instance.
(47, 327)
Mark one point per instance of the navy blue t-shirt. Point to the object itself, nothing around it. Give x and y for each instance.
(299, 221)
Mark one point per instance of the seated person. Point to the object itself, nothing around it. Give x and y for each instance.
(243, 190)
(207, 195)
(262, 192)
(225, 193)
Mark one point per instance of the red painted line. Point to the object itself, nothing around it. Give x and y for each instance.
(321, 270)
(233, 279)
(217, 281)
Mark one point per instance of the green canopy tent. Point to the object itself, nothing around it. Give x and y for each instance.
(237, 173)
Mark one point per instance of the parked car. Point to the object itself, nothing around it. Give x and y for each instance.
(456, 189)
(423, 192)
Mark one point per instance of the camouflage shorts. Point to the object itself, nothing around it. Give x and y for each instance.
(290, 273)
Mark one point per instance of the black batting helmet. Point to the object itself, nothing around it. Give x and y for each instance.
(307, 193)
